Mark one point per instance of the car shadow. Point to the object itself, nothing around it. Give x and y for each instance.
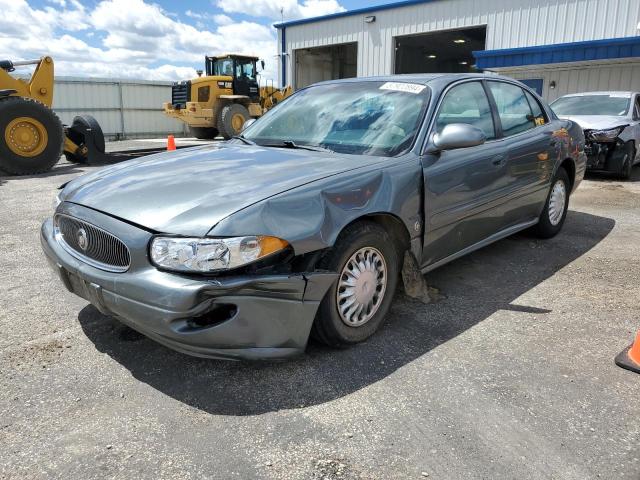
(609, 177)
(475, 286)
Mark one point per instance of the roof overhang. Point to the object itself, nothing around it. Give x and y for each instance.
(606, 49)
(349, 13)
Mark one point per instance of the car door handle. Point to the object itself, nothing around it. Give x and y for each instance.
(498, 160)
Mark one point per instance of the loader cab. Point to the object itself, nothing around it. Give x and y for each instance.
(242, 70)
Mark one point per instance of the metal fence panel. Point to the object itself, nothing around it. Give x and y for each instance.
(124, 108)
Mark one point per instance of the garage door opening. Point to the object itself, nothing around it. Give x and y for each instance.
(325, 63)
(439, 52)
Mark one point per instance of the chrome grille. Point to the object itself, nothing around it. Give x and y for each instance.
(92, 244)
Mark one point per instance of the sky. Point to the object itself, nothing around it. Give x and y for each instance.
(151, 40)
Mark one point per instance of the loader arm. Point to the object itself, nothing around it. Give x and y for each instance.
(39, 87)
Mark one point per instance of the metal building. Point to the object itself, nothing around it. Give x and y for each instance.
(123, 108)
(555, 46)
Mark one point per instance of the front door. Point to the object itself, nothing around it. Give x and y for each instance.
(244, 81)
(462, 185)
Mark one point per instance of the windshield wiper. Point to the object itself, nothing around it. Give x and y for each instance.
(292, 144)
(246, 141)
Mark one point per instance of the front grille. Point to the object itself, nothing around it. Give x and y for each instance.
(92, 244)
(180, 94)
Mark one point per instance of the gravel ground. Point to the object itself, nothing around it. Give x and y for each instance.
(510, 376)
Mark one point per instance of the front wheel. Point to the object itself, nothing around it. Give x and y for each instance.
(629, 158)
(366, 259)
(31, 136)
(231, 120)
(555, 209)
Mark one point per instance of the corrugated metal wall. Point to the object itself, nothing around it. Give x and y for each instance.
(510, 24)
(124, 108)
(583, 78)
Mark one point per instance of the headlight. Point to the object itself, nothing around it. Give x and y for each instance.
(608, 135)
(211, 254)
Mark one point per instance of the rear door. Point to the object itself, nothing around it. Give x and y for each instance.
(462, 185)
(531, 144)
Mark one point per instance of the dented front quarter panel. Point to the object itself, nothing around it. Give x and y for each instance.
(311, 217)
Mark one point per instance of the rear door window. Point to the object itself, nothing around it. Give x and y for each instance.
(514, 110)
(467, 103)
(538, 114)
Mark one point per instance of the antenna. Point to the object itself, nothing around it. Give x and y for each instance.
(282, 15)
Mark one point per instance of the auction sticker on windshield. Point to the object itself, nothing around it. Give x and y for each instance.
(403, 87)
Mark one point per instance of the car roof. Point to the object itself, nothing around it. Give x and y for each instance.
(420, 78)
(610, 92)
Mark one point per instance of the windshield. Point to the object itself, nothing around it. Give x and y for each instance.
(363, 118)
(223, 67)
(601, 104)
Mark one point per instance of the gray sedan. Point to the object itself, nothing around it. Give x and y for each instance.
(302, 225)
(611, 124)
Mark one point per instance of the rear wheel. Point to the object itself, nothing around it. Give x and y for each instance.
(366, 260)
(555, 209)
(204, 133)
(629, 157)
(31, 136)
(232, 118)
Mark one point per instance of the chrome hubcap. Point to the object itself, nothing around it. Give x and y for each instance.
(557, 201)
(361, 287)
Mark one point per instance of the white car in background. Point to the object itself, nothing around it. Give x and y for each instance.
(611, 124)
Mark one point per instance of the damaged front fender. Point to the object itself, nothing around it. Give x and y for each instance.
(312, 216)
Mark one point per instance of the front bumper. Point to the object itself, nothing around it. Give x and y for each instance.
(605, 156)
(271, 315)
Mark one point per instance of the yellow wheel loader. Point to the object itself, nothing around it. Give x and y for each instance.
(221, 101)
(32, 138)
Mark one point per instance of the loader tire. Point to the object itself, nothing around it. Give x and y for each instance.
(72, 158)
(231, 119)
(204, 133)
(31, 136)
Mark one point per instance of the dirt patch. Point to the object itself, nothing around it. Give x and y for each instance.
(31, 354)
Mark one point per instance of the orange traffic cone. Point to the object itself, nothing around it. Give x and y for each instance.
(171, 143)
(629, 358)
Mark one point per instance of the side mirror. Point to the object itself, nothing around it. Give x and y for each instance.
(262, 64)
(458, 135)
(247, 124)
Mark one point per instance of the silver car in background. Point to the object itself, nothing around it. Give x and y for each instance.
(611, 124)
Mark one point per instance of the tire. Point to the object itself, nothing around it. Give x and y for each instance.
(627, 167)
(549, 224)
(86, 129)
(229, 114)
(47, 130)
(329, 326)
(204, 133)
(71, 158)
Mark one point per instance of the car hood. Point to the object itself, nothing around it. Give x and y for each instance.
(188, 191)
(596, 122)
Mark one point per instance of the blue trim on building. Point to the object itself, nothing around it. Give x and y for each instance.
(357, 11)
(606, 49)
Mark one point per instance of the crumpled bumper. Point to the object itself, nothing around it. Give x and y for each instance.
(247, 317)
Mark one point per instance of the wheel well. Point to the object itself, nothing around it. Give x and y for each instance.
(391, 224)
(570, 168)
